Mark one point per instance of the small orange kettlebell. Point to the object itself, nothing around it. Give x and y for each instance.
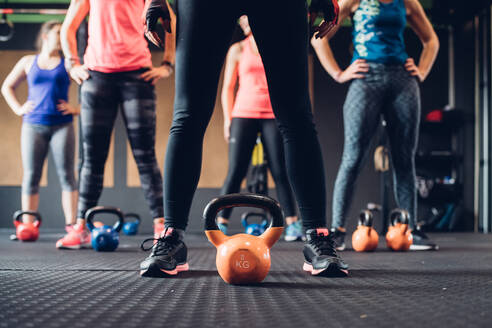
(27, 231)
(243, 258)
(399, 236)
(365, 238)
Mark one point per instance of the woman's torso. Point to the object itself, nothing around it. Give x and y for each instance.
(116, 40)
(378, 31)
(252, 98)
(46, 87)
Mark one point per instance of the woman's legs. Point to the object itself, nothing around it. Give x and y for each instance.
(199, 59)
(272, 141)
(403, 117)
(62, 147)
(138, 107)
(361, 116)
(241, 143)
(99, 108)
(284, 53)
(34, 149)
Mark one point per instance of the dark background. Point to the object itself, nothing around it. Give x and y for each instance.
(327, 105)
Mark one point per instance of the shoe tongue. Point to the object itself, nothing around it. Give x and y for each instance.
(322, 232)
(167, 232)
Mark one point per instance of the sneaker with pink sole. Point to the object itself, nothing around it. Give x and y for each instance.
(76, 238)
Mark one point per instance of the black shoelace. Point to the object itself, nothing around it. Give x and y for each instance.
(161, 247)
(325, 245)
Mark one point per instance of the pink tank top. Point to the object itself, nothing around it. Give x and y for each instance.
(252, 98)
(116, 36)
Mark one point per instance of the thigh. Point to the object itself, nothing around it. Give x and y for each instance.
(35, 141)
(204, 31)
(362, 113)
(62, 147)
(283, 49)
(402, 114)
(138, 109)
(99, 107)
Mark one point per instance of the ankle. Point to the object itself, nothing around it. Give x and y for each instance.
(222, 220)
(159, 221)
(341, 229)
(290, 219)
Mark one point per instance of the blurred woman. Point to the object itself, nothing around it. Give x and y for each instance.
(46, 120)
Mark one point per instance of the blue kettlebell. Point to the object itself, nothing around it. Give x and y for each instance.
(131, 228)
(105, 238)
(254, 229)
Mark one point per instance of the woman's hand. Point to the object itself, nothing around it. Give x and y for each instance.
(354, 71)
(79, 73)
(330, 10)
(227, 130)
(26, 108)
(413, 69)
(155, 73)
(67, 109)
(153, 10)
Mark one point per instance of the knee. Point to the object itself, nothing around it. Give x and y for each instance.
(67, 182)
(30, 182)
(184, 122)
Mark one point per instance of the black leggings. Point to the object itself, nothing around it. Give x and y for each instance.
(241, 143)
(102, 94)
(204, 31)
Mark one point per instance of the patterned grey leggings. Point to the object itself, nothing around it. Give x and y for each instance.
(103, 94)
(390, 91)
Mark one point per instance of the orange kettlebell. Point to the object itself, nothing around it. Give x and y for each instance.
(243, 258)
(27, 231)
(399, 236)
(365, 238)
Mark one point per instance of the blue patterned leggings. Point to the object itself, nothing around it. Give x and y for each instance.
(390, 91)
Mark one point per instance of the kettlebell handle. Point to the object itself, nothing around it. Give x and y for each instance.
(18, 215)
(89, 216)
(399, 215)
(366, 218)
(242, 200)
(134, 216)
(247, 215)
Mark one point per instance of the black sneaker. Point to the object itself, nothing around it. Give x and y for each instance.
(168, 255)
(338, 237)
(320, 255)
(421, 242)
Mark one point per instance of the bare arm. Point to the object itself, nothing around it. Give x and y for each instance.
(229, 84)
(419, 22)
(77, 11)
(325, 54)
(15, 77)
(170, 50)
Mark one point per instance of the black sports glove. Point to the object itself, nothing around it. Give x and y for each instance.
(329, 9)
(156, 9)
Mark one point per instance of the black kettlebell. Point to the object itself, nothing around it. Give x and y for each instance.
(105, 238)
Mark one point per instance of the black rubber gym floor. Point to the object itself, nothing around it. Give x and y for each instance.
(44, 287)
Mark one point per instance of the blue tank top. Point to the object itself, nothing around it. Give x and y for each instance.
(378, 32)
(45, 89)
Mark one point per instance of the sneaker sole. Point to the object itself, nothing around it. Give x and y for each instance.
(293, 238)
(423, 248)
(331, 270)
(340, 248)
(154, 271)
(75, 247)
